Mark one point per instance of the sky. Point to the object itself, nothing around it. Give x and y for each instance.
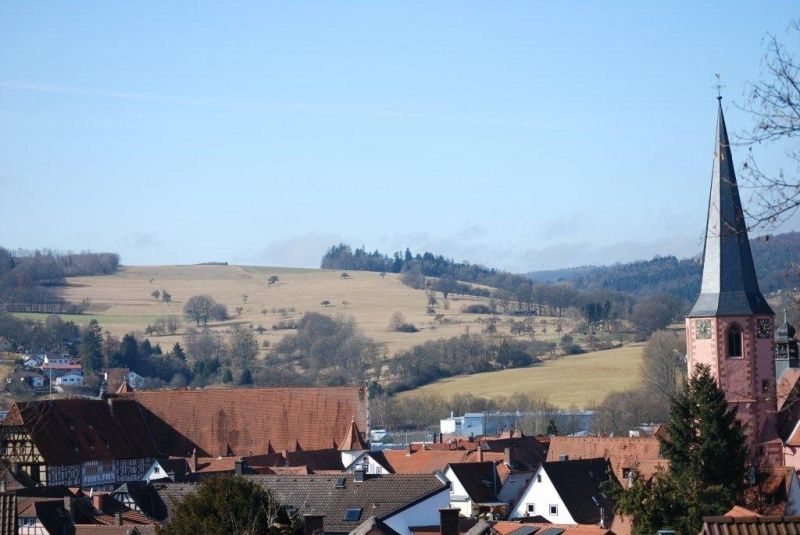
(521, 135)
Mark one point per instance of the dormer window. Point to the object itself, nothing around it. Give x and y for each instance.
(734, 341)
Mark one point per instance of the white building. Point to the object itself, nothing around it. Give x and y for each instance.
(70, 379)
(471, 424)
(474, 488)
(567, 492)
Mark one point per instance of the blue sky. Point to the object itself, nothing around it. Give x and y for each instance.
(524, 135)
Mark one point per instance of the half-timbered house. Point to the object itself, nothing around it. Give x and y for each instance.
(77, 442)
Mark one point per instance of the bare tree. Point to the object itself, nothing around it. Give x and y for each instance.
(774, 103)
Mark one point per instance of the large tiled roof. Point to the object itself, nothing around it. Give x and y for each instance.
(579, 484)
(621, 452)
(72, 431)
(248, 421)
(378, 496)
(755, 525)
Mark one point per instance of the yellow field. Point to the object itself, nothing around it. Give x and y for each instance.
(122, 302)
(579, 380)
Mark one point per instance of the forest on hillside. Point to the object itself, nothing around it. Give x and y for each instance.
(776, 260)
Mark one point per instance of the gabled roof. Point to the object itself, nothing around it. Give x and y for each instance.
(729, 286)
(480, 480)
(72, 431)
(644, 453)
(578, 483)
(352, 439)
(246, 421)
(423, 461)
(373, 526)
(787, 387)
(378, 496)
(145, 497)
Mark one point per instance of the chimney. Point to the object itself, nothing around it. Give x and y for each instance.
(193, 461)
(358, 474)
(480, 454)
(507, 455)
(240, 467)
(563, 457)
(313, 524)
(448, 521)
(118, 519)
(97, 502)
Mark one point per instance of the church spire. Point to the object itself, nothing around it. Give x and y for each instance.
(729, 286)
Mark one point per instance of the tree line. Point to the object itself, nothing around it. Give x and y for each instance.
(774, 257)
(28, 278)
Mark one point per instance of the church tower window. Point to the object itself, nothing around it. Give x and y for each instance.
(734, 341)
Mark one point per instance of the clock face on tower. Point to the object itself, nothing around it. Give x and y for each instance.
(703, 328)
(763, 328)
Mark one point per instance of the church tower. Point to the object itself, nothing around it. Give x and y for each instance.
(786, 354)
(730, 325)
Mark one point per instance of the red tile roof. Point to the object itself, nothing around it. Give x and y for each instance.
(745, 525)
(422, 462)
(250, 421)
(505, 527)
(621, 452)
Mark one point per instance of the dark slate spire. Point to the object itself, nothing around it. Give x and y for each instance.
(729, 285)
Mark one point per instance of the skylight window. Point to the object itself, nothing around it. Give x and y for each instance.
(353, 514)
(340, 482)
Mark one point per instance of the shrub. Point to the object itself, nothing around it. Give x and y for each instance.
(477, 309)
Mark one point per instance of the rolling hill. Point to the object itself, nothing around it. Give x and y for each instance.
(122, 301)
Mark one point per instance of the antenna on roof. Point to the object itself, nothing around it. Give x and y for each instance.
(718, 86)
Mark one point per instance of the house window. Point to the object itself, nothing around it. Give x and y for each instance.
(538, 478)
(531, 508)
(765, 385)
(627, 473)
(734, 341)
(554, 510)
(352, 514)
(378, 470)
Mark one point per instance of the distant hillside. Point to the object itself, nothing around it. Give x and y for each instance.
(774, 259)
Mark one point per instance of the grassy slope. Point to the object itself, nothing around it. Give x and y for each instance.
(579, 380)
(122, 302)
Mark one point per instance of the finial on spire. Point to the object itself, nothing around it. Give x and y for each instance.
(718, 86)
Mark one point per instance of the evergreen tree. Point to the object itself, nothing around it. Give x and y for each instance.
(92, 347)
(706, 441)
(708, 462)
(246, 378)
(177, 351)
